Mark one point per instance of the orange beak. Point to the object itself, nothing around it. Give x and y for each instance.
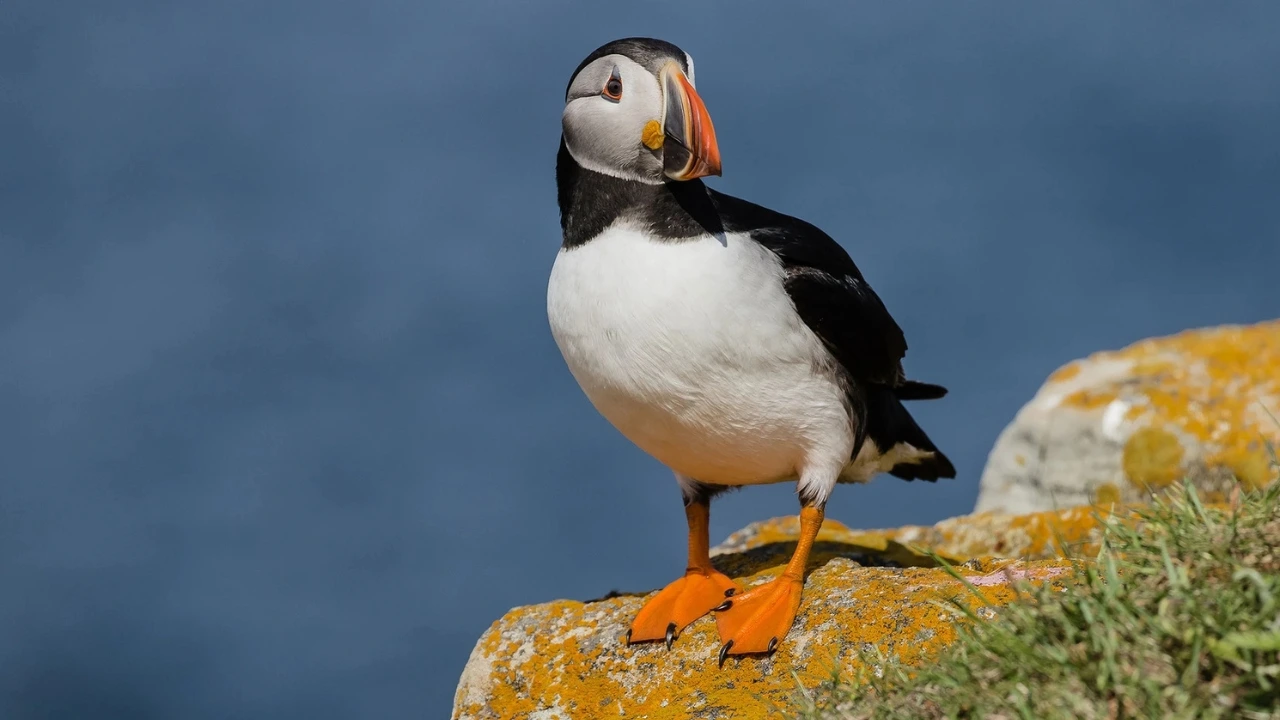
(690, 150)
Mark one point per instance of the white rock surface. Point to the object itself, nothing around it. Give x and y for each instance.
(1118, 425)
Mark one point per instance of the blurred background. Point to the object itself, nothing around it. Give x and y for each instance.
(282, 426)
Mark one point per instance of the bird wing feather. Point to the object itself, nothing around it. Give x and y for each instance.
(828, 290)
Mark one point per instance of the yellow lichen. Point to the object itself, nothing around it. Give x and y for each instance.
(1254, 468)
(1066, 372)
(1152, 458)
(1106, 494)
(1088, 399)
(1035, 535)
(1152, 367)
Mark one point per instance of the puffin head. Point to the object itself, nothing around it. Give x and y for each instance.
(631, 112)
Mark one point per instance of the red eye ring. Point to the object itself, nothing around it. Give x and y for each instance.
(613, 88)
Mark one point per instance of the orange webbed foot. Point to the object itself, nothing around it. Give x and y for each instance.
(679, 604)
(757, 620)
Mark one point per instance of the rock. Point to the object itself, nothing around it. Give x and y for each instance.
(866, 590)
(1122, 425)
(1035, 536)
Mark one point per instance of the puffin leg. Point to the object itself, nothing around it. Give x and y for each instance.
(692, 596)
(757, 620)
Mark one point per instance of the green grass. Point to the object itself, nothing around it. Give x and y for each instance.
(1177, 617)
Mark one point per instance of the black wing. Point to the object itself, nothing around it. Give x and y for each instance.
(828, 290)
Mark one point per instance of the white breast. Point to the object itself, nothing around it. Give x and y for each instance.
(693, 350)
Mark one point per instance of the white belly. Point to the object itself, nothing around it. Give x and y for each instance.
(694, 352)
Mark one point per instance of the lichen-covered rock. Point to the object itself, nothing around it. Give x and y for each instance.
(1035, 536)
(876, 589)
(1118, 426)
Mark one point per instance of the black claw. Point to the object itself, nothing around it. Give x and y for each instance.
(723, 606)
(628, 638)
(773, 645)
(671, 634)
(724, 652)
(730, 592)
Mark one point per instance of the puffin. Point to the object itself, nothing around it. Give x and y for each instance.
(735, 344)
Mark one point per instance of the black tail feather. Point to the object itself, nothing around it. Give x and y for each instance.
(929, 468)
(889, 425)
(915, 390)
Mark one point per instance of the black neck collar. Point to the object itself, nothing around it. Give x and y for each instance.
(590, 202)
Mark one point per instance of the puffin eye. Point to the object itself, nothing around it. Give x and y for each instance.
(613, 88)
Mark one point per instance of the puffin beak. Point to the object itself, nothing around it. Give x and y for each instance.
(690, 150)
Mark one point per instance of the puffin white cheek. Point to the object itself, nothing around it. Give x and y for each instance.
(601, 137)
(608, 137)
